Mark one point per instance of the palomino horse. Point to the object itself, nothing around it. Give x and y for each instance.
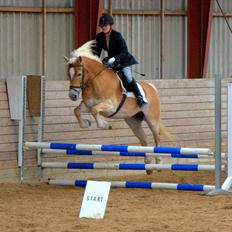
(102, 94)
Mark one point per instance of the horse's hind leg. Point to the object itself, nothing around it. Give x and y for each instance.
(136, 126)
(154, 127)
(152, 116)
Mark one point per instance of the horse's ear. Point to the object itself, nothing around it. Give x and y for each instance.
(66, 58)
(80, 59)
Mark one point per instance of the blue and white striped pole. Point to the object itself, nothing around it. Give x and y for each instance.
(123, 153)
(105, 147)
(130, 184)
(129, 166)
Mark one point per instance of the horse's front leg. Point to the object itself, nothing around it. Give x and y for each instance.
(104, 108)
(84, 123)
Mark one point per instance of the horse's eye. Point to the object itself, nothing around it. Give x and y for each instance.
(79, 74)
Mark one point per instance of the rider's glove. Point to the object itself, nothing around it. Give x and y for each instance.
(112, 63)
(111, 60)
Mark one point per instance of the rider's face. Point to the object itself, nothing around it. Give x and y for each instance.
(106, 28)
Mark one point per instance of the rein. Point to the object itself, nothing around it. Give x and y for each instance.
(98, 73)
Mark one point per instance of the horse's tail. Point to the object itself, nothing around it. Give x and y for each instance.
(162, 128)
(164, 131)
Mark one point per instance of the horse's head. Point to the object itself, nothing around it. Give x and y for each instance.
(76, 72)
(76, 75)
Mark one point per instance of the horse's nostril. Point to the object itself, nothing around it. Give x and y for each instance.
(73, 96)
(74, 93)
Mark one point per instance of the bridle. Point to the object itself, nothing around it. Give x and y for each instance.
(83, 84)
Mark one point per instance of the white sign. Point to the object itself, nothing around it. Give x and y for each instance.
(95, 199)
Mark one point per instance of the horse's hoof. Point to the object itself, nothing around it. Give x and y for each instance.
(85, 123)
(104, 125)
(89, 122)
(149, 172)
(148, 160)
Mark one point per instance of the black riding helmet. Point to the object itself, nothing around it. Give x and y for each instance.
(106, 19)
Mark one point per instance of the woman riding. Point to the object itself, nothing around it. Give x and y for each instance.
(113, 42)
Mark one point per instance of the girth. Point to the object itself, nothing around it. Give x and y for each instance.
(124, 96)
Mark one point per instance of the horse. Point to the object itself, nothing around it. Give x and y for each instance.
(101, 95)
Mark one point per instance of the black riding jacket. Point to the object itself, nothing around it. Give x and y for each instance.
(117, 48)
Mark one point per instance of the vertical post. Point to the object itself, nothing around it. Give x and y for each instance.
(200, 14)
(43, 37)
(161, 38)
(86, 17)
(217, 88)
(110, 10)
(207, 37)
(21, 128)
(42, 92)
(41, 124)
(217, 110)
(99, 13)
(229, 125)
(228, 182)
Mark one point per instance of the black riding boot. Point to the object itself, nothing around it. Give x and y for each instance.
(137, 93)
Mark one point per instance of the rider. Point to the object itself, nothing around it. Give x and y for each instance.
(113, 42)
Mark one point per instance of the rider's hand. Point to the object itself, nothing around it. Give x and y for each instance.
(111, 60)
(113, 63)
(105, 60)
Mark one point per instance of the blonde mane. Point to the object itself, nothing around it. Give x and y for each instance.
(86, 51)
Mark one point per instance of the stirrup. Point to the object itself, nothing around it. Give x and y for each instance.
(140, 101)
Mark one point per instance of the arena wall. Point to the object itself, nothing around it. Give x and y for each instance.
(187, 110)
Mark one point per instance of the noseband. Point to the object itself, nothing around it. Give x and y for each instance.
(82, 85)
